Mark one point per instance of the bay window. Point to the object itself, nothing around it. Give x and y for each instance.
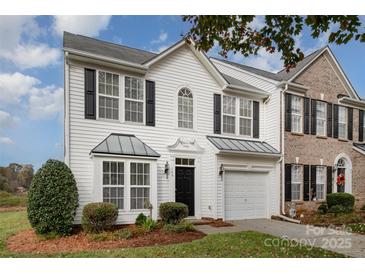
(297, 114)
(296, 182)
(140, 185)
(321, 118)
(108, 85)
(134, 99)
(229, 114)
(113, 183)
(320, 182)
(342, 122)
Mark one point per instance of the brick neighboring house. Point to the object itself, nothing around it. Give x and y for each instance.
(323, 133)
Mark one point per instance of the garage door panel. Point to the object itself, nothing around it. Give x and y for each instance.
(245, 195)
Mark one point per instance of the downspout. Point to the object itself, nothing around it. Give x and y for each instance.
(66, 142)
(282, 121)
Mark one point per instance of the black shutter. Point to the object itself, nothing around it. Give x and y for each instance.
(150, 103)
(256, 120)
(329, 119)
(306, 183)
(335, 121)
(329, 180)
(361, 125)
(288, 112)
(314, 117)
(350, 119)
(287, 182)
(313, 186)
(217, 113)
(90, 94)
(306, 115)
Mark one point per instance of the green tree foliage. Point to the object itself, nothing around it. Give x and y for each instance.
(236, 33)
(52, 199)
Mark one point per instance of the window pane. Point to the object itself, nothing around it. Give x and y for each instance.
(245, 126)
(101, 77)
(229, 105)
(245, 108)
(229, 124)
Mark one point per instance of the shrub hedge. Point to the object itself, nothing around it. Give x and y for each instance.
(173, 213)
(52, 199)
(345, 200)
(98, 217)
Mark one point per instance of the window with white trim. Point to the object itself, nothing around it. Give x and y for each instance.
(229, 114)
(321, 118)
(185, 108)
(108, 95)
(320, 182)
(245, 117)
(113, 183)
(184, 162)
(297, 114)
(296, 182)
(342, 122)
(140, 185)
(134, 99)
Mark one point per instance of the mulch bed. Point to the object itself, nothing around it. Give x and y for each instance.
(12, 208)
(28, 242)
(213, 222)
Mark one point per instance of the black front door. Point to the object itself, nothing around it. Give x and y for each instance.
(185, 187)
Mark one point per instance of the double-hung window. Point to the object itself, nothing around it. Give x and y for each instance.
(320, 182)
(321, 118)
(342, 122)
(140, 185)
(108, 95)
(297, 114)
(229, 114)
(185, 108)
(134, 99)
(245, 118)
(113, 183)
(296, 182)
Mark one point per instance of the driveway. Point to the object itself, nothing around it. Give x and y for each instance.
(340, 241)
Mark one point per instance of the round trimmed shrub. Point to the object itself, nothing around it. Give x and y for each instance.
(141, 219)
(98, 217)
(52, 199)
(343, 199)
(339, 209)
(173, 213)
(322, 209)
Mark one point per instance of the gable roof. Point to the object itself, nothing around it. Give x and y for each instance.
(257, 71)
(236, 82)
(99, 47)
(124, 144)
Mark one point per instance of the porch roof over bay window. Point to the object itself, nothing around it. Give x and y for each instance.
(233, 145)
(124, 145)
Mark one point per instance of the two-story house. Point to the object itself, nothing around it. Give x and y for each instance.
(144, 128)
(321, 129)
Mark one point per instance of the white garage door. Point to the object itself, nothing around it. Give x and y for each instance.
(245, 195)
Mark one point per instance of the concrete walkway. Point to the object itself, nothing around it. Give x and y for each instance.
(340, 241)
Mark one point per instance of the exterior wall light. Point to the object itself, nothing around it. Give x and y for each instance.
(167, 169)
(221, 170)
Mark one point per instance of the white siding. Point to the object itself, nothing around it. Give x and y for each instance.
(179, 69)
(270, 121)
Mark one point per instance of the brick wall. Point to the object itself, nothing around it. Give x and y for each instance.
(320, 77)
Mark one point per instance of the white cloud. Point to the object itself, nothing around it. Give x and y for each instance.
(42, 103)
(33, 56)
(90, 25)
(161, 38)
(14, 86)
(7, 120)
(18, 44)
(6, 140)
(46, 103)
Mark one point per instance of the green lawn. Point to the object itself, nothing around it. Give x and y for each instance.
(9, 199)
(244, 244)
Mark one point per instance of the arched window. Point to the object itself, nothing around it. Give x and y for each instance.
(185, 108)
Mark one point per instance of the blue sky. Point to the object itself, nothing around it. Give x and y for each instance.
(31, 71)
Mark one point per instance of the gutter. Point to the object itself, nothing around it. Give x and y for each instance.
(257, 154)
(97, 57)
(250, 91)
(282, 148)
(293, 86)
(352, 102)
